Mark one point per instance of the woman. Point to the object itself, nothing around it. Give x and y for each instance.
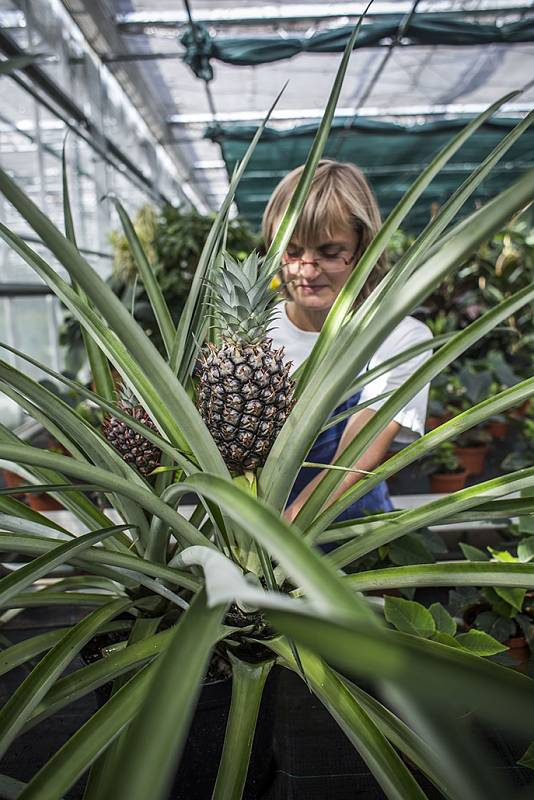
(339, 219)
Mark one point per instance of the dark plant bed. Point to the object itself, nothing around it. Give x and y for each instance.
(195, 778)
(314, 760)
(204, 745)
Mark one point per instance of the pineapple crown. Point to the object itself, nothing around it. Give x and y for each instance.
(126, 397)
(244, 298)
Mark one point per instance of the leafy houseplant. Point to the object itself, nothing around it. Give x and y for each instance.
(443, 396)
(437, 624)
(419, 547)
(523, 453)
(504, 613)
(446, 472)
(234, 577)
(499, 267)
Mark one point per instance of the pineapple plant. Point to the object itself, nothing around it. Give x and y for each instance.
(133, 446)
(245, 392)
(180, 580)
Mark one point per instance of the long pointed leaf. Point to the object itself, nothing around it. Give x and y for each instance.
(419, 249)
(397, 732)
(33, 546)
(296, 204)
(111, 408)
(76, 502)
(449, 430)
(81, 750)
(97, 361)
(20, 705)
(157, 384)
(500, 695)
(346, 299)
(317, 402)
(71, 431)
(181, 355)
(109, 482)
(282, 541)
(455, 573)
(147, 275)
(26, 575)
(392, 775)
(420, 378)
(157, 734)
(248, 681)
(402, 737)
(459, 757)
(24, 651)
(432, 512)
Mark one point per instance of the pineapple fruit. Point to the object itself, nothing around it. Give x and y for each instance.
(245, 391)
(132, 446)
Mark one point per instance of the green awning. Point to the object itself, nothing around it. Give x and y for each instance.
(390, 155)
(423, 29)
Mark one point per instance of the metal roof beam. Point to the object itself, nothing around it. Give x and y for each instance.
(310, 114)
(294, 12)
(96, 25)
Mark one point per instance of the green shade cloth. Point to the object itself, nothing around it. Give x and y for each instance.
(423, 29)
(390, 155)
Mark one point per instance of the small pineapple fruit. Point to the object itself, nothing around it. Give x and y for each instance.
(132, 446)
(245, 392)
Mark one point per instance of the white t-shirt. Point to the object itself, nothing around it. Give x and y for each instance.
(298, 345)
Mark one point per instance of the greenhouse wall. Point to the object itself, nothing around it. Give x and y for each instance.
(116, 154)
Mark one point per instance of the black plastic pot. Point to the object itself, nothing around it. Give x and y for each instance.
(196, 775)
(197, 771)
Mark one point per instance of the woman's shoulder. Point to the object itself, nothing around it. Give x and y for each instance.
(408, 332)
(410, 327)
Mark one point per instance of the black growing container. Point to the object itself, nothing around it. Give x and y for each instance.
(196, 775)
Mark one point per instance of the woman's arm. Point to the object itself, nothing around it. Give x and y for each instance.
(367, 461)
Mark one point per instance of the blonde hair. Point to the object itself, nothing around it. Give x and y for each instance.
(339, 195)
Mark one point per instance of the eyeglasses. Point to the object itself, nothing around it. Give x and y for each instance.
(323, 262)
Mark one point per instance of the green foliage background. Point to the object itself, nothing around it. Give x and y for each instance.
(172, 239)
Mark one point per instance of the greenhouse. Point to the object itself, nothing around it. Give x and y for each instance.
(266, 400)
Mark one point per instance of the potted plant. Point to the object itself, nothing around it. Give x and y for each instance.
(446, 472)
(234, 576)
(507, 614)
(442, 399)
(471, 449)
(522, 454)
(524, 409)
(498, 427)
(500, 266)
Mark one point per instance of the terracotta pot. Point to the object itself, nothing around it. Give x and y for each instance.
(519, 651)
(12, 480)
(518, 412)
(43, 502)
(498, 429)
(445, 482)
(435, 422)
(472, 459)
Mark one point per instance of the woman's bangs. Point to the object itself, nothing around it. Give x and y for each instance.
(323, 214)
